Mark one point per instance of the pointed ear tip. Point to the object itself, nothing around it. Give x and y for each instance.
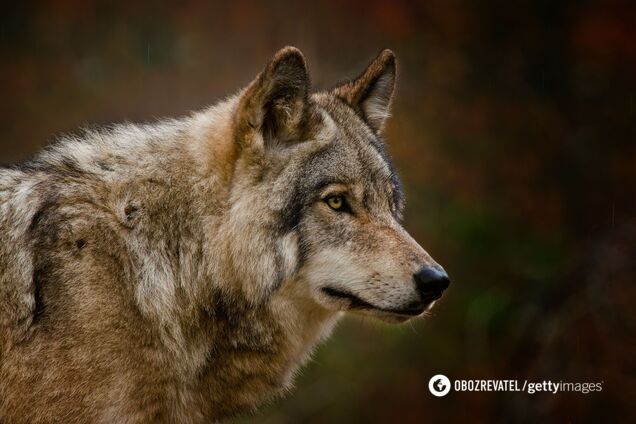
(290, 49)
(387, 56)
(290, 53)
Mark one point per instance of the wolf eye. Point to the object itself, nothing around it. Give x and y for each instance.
(337, 203)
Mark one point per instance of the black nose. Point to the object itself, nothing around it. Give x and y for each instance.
(431, 282)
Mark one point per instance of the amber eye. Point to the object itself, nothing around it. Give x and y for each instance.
(335, 202)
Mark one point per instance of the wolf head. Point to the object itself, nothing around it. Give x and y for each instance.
(315, 203)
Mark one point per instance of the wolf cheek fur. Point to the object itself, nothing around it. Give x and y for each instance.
(183, 271)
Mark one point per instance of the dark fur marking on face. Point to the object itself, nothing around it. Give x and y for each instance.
(292, 212)
(303, 250)
(302, 194)
(302, 198)
(306, 191)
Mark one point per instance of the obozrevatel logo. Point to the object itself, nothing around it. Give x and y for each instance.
(439, 385)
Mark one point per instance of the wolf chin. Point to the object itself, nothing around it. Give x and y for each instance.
(183, 271)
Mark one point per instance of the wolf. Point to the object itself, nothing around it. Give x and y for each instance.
(183, 271)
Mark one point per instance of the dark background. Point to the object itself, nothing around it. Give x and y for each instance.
(514, 131)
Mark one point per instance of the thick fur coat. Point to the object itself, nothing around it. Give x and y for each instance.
(183, 271)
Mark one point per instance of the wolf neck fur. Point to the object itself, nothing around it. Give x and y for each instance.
(277, 327)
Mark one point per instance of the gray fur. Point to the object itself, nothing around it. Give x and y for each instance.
(180, 271)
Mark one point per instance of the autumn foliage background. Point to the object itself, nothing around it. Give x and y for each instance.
(514, 130)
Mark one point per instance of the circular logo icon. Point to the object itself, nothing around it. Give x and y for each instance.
(439, 385)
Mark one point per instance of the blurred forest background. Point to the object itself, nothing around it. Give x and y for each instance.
(514, 130)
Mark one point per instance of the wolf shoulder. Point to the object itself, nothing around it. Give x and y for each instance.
(78, 199)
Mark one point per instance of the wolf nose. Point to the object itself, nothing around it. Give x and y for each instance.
(431, 282)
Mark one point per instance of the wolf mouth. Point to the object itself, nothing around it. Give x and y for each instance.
(356, 303)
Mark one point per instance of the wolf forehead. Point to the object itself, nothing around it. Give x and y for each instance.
(355, 155)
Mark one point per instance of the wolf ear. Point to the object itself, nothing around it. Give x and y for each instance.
(371, 93)
(274, 105)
